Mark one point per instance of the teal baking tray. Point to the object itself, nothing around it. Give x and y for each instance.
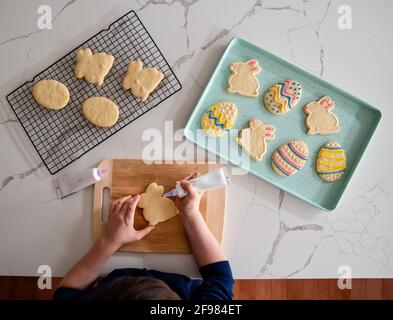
(358, 121)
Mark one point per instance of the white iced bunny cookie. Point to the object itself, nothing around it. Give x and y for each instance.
(331, 161)
(253, 139)
(141, 81)
(92, 67)
(243, 80)
(155, 207)
(320, 119)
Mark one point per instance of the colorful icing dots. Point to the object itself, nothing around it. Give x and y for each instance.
(283, 96)
(289, 158)
(331, 162)
(218, 118)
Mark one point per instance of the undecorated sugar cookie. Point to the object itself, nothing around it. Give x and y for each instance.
(243, 80)
(93, 67)
(218, 118)
(141, 81)
(320, 118)
(331, 162)
(253, 139)
(283, 96)
(51, 94)
(155, 207)
(290, 158)
(100, 111)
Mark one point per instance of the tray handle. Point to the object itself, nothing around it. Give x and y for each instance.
(105, 182)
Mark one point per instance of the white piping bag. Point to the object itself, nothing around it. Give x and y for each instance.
(69, 184)
(212, 180)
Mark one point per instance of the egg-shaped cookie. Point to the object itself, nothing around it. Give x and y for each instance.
(289, 158)
(51, 94)
(218, 118)
(283, 96)
(331, 162)
(100, 111)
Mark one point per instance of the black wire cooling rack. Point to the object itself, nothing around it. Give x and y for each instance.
(61, 137)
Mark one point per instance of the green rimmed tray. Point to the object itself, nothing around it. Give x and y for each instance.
(358, 121)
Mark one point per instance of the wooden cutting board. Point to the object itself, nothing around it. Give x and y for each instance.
(132, 177)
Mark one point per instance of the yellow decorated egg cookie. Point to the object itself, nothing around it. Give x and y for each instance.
(331, 162)
(290, 158)
(218, 118)
(283, 96)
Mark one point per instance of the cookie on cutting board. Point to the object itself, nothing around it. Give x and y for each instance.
(155, 207)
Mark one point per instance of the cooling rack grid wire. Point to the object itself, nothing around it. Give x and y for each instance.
(60, 137)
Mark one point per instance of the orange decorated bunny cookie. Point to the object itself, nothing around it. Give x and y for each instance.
(243, 80)
(320, 118)
(253, 139)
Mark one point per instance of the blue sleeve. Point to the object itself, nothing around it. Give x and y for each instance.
(217, 282)
(63, 293)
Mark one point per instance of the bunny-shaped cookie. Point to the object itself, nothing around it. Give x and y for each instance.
(253, 139)
(92, 67)
(320, 119)
(155, 207)
(243, 80)
(141, 81)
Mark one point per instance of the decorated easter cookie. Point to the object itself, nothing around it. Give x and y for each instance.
(320, 119)
(141, 81)
(331, 161)
(253, 139)
(218, 118)
(92, 67)
(243, 80)
(283, 96)
(290, 158)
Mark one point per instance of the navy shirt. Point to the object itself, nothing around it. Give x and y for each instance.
(216, 284)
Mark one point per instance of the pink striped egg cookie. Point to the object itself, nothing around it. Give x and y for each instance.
(290, 158)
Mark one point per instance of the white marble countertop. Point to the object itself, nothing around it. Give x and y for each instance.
(267, 233)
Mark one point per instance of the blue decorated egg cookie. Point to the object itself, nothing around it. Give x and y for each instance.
(218, 118)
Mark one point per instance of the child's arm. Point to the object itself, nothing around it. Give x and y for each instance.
(216, 272)
(204, 245)
(118, 231)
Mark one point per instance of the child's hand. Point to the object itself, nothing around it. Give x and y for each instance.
(189, 205)
(120, 227)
